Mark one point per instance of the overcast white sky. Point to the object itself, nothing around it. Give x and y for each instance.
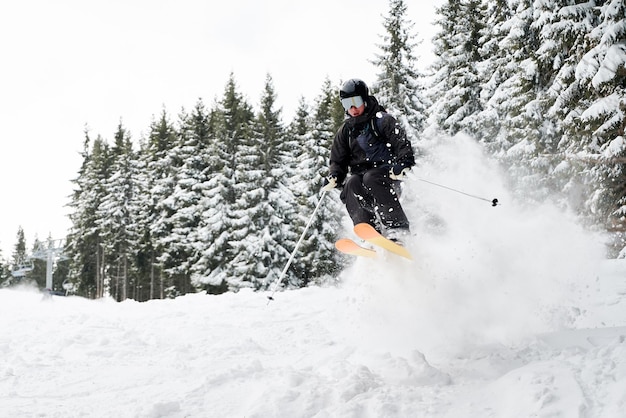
(69, 64)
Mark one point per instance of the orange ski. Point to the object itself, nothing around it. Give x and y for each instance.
(368, 233)
(347, 246)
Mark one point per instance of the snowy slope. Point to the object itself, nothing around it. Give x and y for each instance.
(312, 352)
(506, 312)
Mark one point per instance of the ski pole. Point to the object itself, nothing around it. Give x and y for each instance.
(293, 253)
(494, 202)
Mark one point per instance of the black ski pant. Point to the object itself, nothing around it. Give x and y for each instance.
(371, 196)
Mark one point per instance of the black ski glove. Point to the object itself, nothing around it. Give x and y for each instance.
(398, 172)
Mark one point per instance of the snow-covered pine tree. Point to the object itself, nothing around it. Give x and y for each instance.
(19, 253)
(209, 272)
(116, 216)
(220, 228)
(159, 178)
(515, 75)
(310, 158)
(280, 152)
(304, 185)
(182, 210)
(563, 29)
(398, 86)
(19, 249)
(455, 93)
(551, 77)
(140, 208)
(494, 68)
(253, 227)
(601, 75)
(538, 56)
(317, 251)
(5, 273)
(84, 239)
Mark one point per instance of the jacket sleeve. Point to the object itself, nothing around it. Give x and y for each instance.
(340, 155)
(401, 147)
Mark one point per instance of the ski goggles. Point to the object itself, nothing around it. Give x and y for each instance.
(355, 101)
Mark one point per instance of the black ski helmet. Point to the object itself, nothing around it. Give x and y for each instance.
(354, 87)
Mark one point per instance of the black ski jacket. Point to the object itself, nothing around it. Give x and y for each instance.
(374, 139)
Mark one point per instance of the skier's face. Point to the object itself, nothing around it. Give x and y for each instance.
(356, 111)
(354, 105)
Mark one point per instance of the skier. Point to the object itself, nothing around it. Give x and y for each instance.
(372, 147)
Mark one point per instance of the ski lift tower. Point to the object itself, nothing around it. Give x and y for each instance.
(50, 251)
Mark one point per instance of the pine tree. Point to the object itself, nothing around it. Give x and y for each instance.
(318, 251)
(252, 232)
(5, 273)
(117, 214)
(231, 124)
(456, 88)
(494, 67)
(517, 56)
(19, 251)
(268, 201)
(531, 136)
(551, 94)
(84, 241)
(160, 179)
(398, 86)
(316, 257)
(283, 170)
(181, 239)
(18, 264)
(305, 185)
(601, 75)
